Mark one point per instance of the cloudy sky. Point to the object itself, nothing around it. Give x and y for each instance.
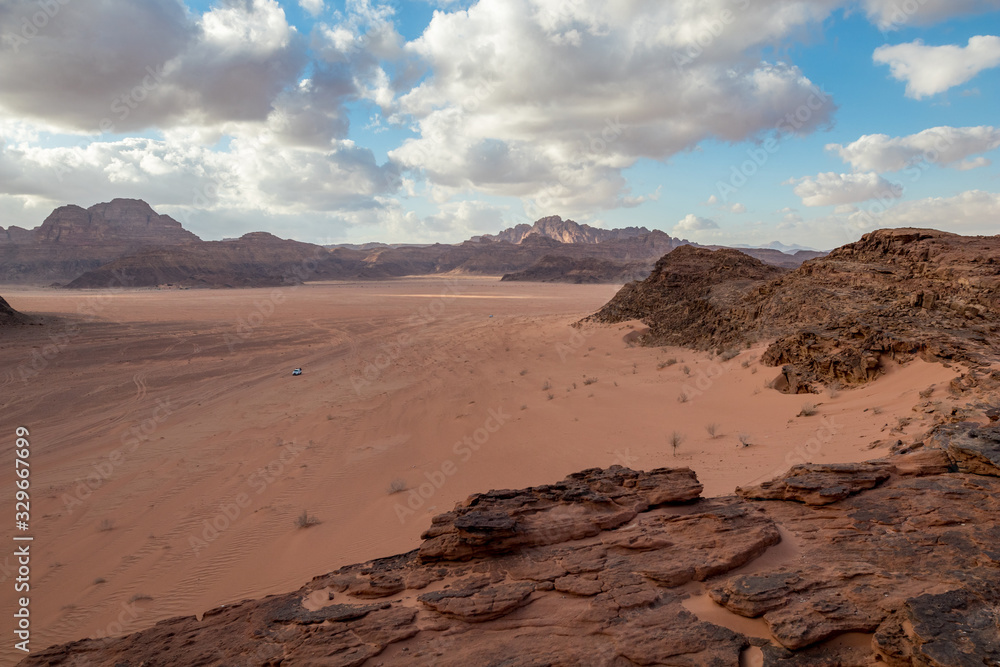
(722, 121)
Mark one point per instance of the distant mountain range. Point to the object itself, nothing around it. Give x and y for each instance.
(126, 243)
(777, 245)
(565, 231)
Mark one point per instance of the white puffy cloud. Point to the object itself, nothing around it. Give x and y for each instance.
(118, 66)
(257, 174)
(694, 223)
(314, 7)
(894, 14)
(970, 212)
(466, 218)
(946, 146)
(242, 119)
(929, 70)
(832, 189)
(550, 100)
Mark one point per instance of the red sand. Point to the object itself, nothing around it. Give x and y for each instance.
(181, 408)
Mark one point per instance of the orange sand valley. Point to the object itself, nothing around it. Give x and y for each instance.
(173, 451)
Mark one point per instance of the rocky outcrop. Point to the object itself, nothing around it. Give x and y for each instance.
(820, 484)
(686, 298)
(73, 240)
(599, 569)
(129, 222)
(502, 521)
(893, 295)
(9, 316)
(957, 627)
(974, 449)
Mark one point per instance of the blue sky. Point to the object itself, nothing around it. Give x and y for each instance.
(419, 121)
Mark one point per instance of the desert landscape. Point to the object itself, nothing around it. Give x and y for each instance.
(184, 454)
(500, 333)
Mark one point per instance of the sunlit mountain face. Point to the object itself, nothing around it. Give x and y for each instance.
(802, 122)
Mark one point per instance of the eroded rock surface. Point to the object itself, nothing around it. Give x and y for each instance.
(976, 450)
(893, 295)
(582, 505)
(814, 484)
(596, 570)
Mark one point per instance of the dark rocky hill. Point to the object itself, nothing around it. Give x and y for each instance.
(9, 316)
(894, 294)
(686, 298)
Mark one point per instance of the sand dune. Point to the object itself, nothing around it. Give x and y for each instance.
(201, 449)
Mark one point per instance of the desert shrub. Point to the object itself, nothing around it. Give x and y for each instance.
(676, 440)
(305, 521)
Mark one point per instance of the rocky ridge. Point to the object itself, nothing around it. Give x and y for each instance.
(614, 567)
(564, 231)
(894, 294)
(257, 259)
(688, 295)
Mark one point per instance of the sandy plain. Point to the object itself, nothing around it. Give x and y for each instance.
(173, 452)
